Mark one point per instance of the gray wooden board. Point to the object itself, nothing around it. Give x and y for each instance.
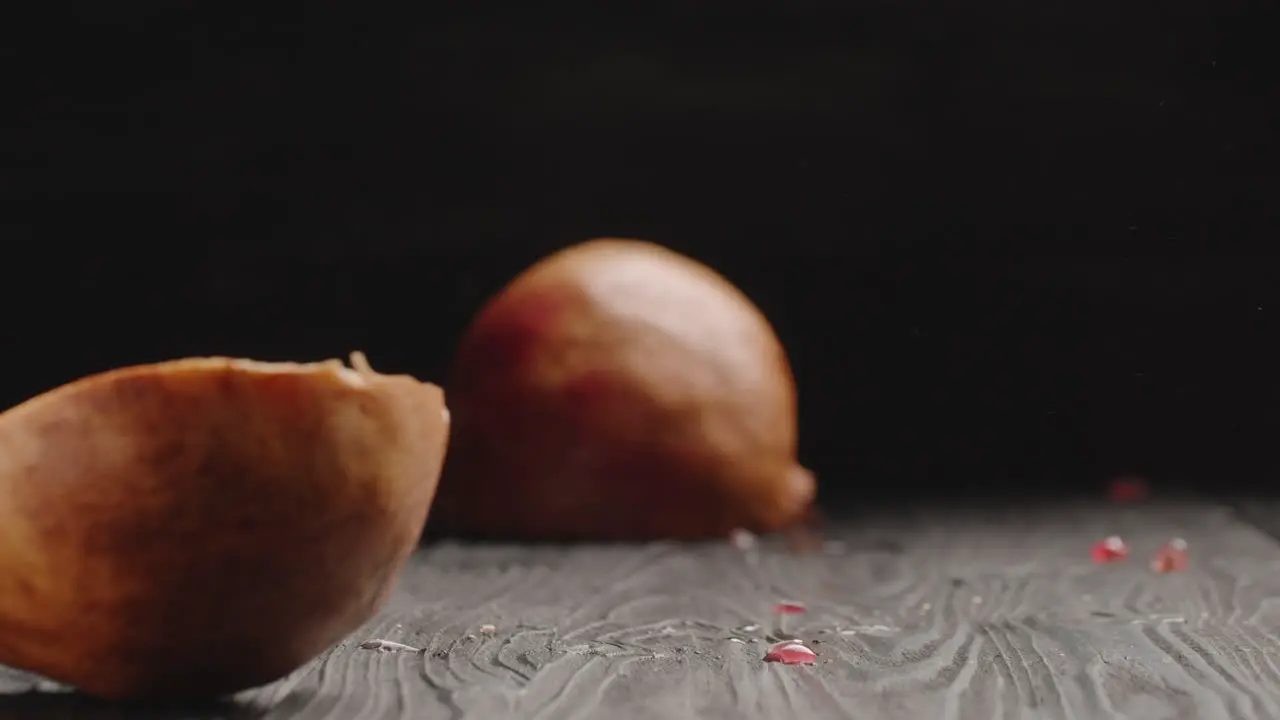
(983, 615)
(1264, 513)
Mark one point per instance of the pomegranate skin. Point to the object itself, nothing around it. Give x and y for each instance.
(618, 390)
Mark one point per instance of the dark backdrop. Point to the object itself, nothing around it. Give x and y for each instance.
(1013, 247)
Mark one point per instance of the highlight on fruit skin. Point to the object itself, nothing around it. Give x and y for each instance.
(196, 527)
(619, 390)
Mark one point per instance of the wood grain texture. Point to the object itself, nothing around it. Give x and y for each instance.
(976, 615)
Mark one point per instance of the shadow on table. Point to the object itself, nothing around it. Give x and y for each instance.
(35, 705)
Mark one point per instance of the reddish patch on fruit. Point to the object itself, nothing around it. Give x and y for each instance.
(789, 607)
(511, 335)
(790, 652)
(1171, 558)
(1110, 549)
(1127, 489)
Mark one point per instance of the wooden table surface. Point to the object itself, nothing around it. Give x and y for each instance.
(975, 614)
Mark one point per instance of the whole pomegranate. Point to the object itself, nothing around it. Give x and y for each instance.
(618, 390)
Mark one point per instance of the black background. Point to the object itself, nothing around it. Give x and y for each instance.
(1013, 248)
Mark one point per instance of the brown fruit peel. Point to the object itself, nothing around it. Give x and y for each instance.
(200, 526)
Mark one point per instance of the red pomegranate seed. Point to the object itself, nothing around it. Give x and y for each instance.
(1171, 558)
(789, 607)
(742, 539)
(804, 536)
(1127, 488)
(1110, 549)
(790, 652)
(781, 612)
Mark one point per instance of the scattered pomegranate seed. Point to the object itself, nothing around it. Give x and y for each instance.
(742, 539)
(387, 646)
(1127, 488)
(781, 612)
(1171, 558)
(790, 652)
(789, 607)
(1110, 549)
(804, 536)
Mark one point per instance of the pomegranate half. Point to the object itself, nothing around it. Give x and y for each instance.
(197, 527)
